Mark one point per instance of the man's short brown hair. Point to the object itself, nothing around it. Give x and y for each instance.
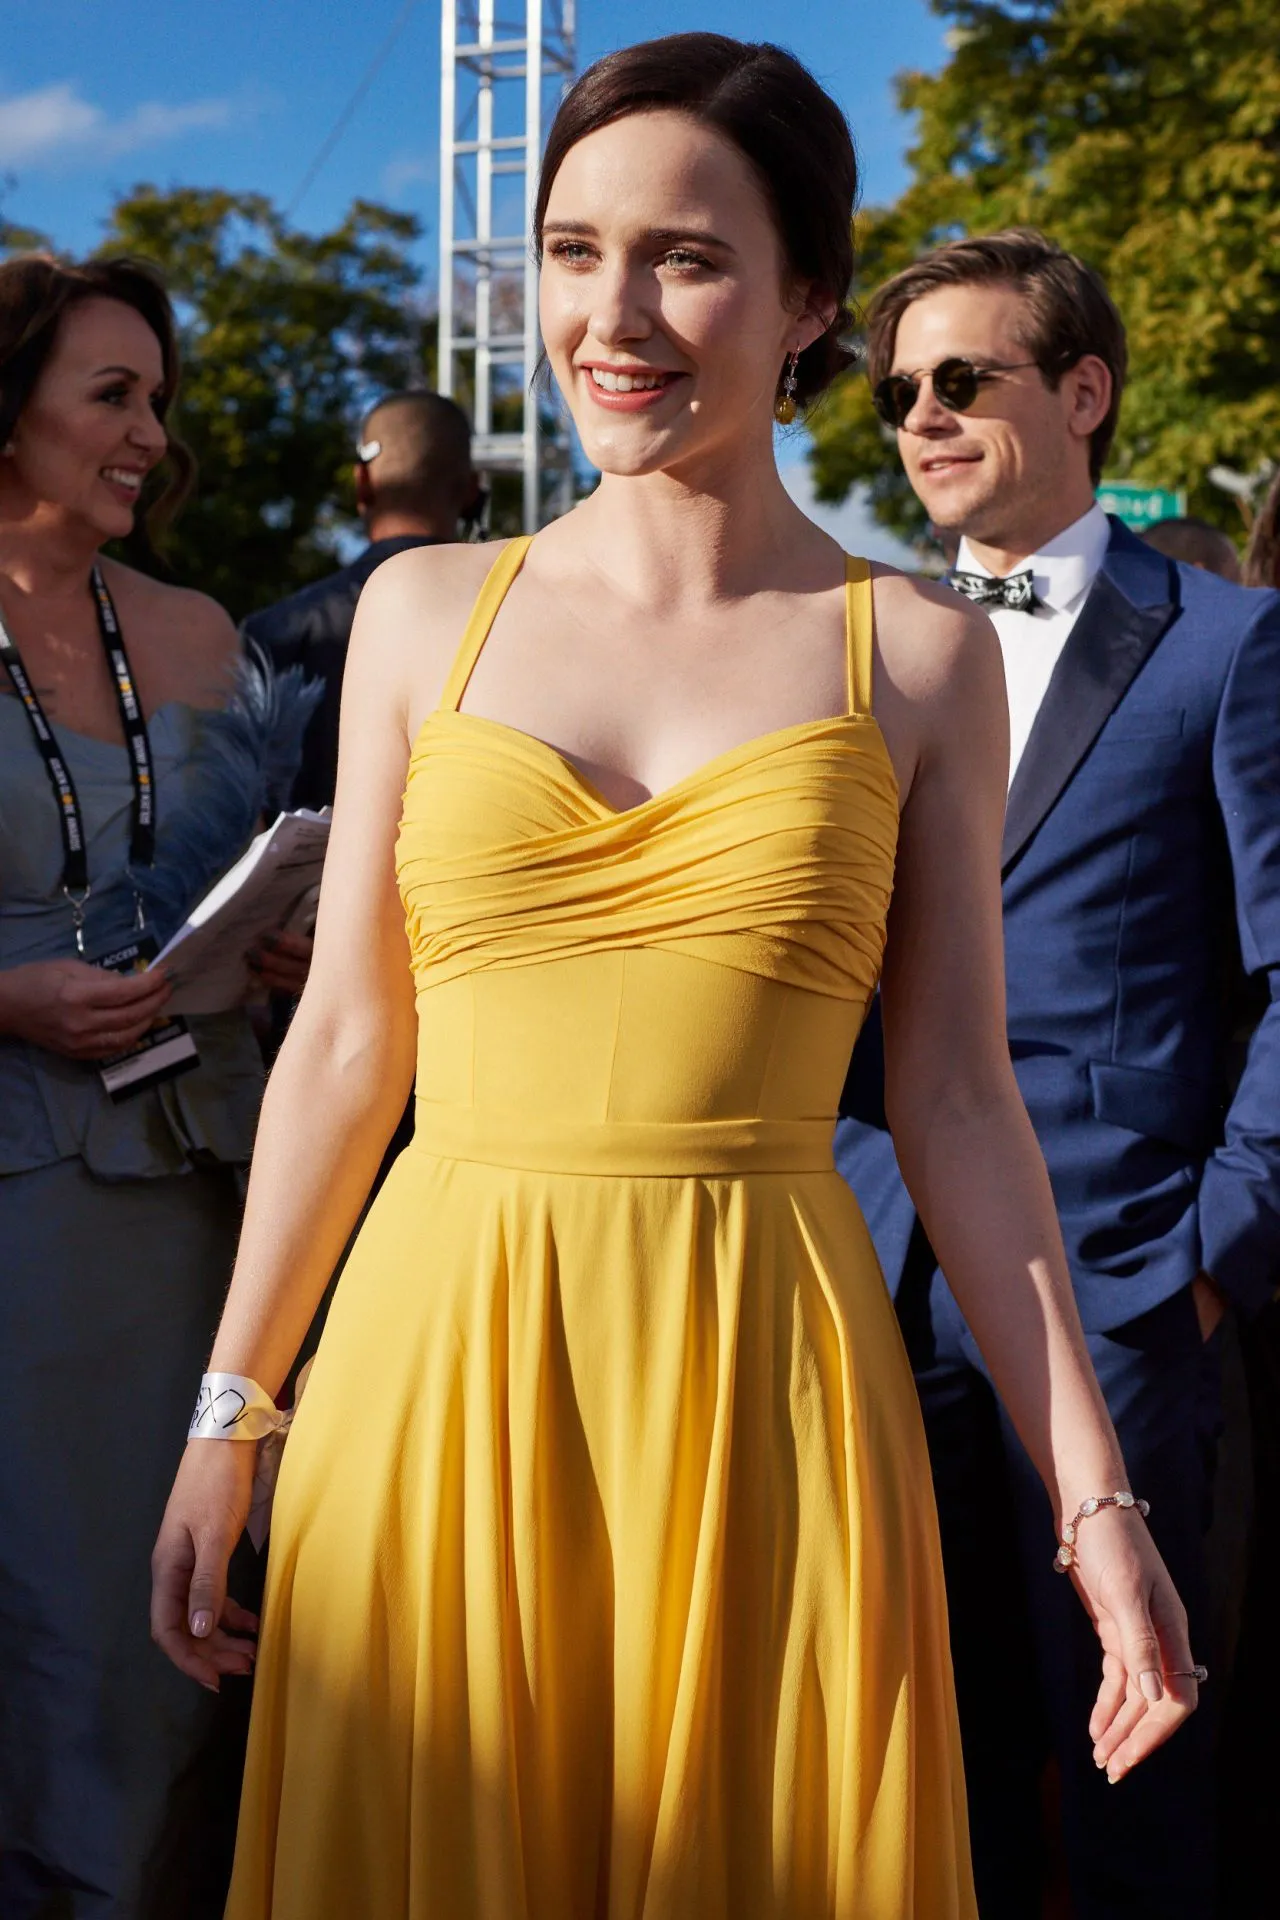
(1066, 310)
(1196, 544)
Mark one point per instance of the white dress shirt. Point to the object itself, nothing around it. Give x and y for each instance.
(1062, 573)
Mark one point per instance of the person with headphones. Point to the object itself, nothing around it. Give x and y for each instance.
(415, 487)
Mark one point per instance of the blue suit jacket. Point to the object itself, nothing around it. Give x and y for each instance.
(1143, 826)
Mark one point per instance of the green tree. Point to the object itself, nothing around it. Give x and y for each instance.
(15, 238)
(1145, 136)
(287, 337)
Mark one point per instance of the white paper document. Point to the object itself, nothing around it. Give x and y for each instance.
(268, 888)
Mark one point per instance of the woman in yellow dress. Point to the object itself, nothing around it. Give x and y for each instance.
(604, 1578)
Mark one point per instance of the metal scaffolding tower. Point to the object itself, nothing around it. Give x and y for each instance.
(500, 83)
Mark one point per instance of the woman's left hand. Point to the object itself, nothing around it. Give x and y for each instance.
(281, 961)
(1148, 1688)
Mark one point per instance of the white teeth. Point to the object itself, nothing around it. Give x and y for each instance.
(122, 479)
(625, 382)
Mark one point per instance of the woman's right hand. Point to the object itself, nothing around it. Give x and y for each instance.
(84, 1012)
(193, 1619)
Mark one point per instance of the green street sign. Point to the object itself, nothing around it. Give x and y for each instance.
(1140, 507)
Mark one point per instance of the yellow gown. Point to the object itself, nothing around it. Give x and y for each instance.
(604, 1580)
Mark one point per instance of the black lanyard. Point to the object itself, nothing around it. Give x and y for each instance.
(142, 838)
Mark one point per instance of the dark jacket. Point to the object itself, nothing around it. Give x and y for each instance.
(1143, 830)
(311, 630)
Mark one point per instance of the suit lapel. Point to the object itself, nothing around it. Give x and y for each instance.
(1127, 610)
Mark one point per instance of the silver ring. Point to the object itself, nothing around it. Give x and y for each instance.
(1198, 1673)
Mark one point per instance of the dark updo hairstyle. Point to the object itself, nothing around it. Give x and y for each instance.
(770, 108)
(35, 292)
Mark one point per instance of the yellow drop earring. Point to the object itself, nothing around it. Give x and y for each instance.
(784, 409)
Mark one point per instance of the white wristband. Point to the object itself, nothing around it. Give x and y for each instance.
(229, 1406)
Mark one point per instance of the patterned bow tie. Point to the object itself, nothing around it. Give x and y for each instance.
(1016, 591)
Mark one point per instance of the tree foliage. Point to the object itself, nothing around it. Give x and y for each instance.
(1145, 136)
(15, 237)
(287, 337)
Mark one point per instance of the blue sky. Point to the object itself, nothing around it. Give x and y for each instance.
(97, 95)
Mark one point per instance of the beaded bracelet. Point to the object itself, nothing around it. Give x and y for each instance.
(1065, 1558)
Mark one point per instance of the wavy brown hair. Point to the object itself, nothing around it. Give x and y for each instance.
(1262, 555)
(792, 133)
(35, 292)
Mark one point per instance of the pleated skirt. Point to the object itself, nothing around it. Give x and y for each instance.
(604, 1580)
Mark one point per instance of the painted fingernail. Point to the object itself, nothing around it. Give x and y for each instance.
(202, 1624)
(1152, 1685)
(1115, 1772)
(210, 1686)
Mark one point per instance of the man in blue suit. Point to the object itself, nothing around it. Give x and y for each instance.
(1141, 867)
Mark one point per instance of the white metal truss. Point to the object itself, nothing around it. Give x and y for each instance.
(500, 82)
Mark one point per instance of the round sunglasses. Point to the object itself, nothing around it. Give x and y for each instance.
(956, 383)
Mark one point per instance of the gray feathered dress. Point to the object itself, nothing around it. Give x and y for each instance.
(118, 1225)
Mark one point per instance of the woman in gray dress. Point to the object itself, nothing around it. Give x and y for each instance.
(136, 752)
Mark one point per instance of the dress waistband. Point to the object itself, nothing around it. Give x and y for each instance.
(639, 1147)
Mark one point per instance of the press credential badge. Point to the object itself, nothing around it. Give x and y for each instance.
(166, 1050)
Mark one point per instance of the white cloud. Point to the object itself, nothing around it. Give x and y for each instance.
(34, 125)
(410, 170)
(153, 121)
(57, 124)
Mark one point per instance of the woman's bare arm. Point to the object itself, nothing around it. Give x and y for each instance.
(335, 1095)
(961, 1132)
(975, 1172)
(346, 1066)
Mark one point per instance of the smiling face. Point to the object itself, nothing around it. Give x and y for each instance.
(1014, 468)
(665, 303)
(89, 434)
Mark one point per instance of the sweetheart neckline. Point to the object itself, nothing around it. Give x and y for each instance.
(755, 748)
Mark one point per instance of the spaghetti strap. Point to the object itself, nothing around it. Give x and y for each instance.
(859, 621)
(476, 632)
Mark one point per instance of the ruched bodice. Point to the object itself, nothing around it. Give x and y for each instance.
(704, 957)
(618, 1595)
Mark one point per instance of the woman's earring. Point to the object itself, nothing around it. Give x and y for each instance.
(784, 410)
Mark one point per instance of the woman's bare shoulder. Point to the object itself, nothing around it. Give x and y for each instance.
(191, 640)
(445, 570)
(934, 646)
(939, 683)
(411, 616)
